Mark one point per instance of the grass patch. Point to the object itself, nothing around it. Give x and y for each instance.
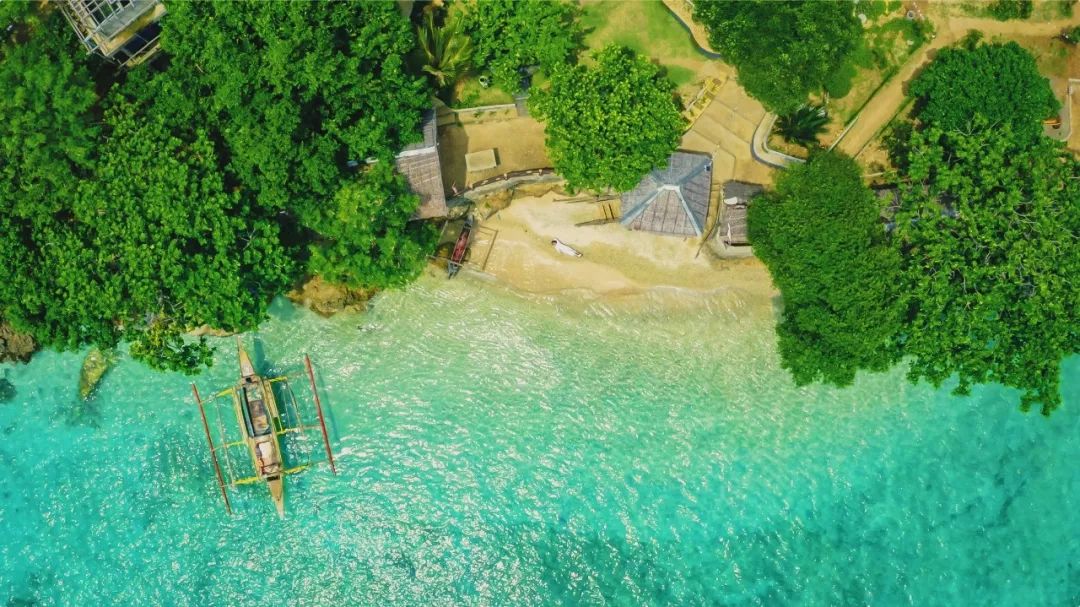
(1051, 55)
(873, 9)
(469, 93)
(680, 75)
(1048, 10)
(1003, 10)
(1037, 10)
(647, 28)
(914, 32)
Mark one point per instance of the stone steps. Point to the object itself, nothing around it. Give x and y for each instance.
(735, 98)
(693, 141)
(735, 122)
(724, 138)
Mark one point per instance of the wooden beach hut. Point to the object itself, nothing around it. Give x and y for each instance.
(671, 200)
(736, 198)
(419, 163)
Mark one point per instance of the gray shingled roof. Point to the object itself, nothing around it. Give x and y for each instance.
(742, 190)
(671, 200)
(733, 211)
(419, 163)
(733, 229)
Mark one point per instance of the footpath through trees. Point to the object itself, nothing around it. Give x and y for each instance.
(884, 106)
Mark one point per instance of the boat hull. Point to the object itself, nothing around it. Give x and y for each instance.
(277, 494)
(257, 413)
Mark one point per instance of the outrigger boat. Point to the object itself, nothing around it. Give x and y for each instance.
(262, 426)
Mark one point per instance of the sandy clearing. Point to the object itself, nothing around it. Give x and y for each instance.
(616, 261)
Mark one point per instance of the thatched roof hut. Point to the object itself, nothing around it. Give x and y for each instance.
(419, 163)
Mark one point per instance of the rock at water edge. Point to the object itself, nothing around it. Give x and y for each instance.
(94, 367)
(15, 346)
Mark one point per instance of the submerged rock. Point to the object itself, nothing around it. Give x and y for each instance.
(15, 346)
(328, 299)
(7, 390)
(80, 412)
(94, 367)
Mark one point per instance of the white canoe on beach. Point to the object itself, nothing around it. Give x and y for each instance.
(565, 249)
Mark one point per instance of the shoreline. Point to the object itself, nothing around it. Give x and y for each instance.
(620, 271)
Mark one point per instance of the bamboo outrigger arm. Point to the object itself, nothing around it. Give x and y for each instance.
(213, 450)
(318, 409)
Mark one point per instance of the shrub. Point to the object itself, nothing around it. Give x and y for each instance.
(1010, 9)
(838, 84)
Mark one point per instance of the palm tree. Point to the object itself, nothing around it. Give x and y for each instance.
(803, 125)
(446, 49)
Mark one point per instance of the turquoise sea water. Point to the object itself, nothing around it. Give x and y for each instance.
(501, 450)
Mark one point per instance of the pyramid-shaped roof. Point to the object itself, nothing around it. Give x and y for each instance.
(673, 199)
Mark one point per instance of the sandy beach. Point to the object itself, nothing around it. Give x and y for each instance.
(615, 262)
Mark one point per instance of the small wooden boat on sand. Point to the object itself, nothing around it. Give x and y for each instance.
(461, 247)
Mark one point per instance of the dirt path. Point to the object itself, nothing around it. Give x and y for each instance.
(887, 101)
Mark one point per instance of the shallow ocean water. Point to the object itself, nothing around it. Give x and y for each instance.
(502, 450)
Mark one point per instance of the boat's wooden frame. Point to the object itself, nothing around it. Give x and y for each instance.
(461, 247)
(472, 234)
(261, 424)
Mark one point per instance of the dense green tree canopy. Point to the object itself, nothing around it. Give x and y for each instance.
(820, 235)
(783, 50)
(609, 123)
(170, 242)
(1000, 82)
(989, 232)
(13, 14)
(296, 89)
(977, 276)
(139, 205)
(47, 133)
(47, 129)
(99, 249)
(511, 34)
(365, 238)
